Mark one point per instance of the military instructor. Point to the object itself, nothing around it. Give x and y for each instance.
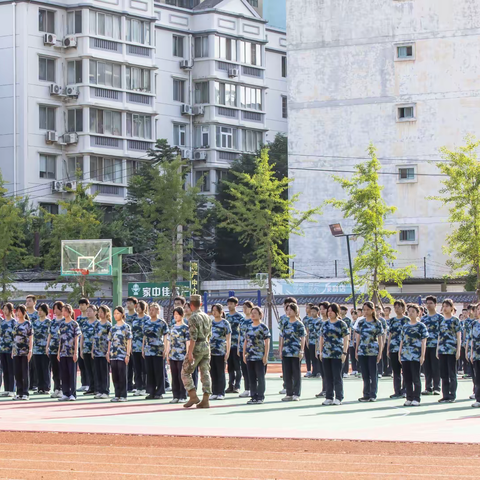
(200, 328)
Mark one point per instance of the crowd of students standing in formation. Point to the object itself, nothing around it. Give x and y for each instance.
(136, 348)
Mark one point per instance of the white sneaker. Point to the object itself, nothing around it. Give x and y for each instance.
(337, 402)
(415, 403)
(10, 394)
(82, 389)
(71, 398)
(168, 389)
(122, 399)
(221, 397)
(17, 397)
(181, 400)
(345, 375)
(476, 405)
(4, 394)
(114, 399)
(214, 397)
(282, 392)
(97, 396)
(63, 398)
(295, 398)
(408, 403)
(138, 393)
(472, 397)
(308, 375)
(354, 372)
(246, 393)
(104, 396)
(175, 400)
(56, 394)
(134, 391)
(328, 402)
(259, 402)
(24, 397)
(287, 399)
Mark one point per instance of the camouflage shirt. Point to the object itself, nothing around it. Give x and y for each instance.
(54, 327)
(475, 338)
(396, 328)
(432, 322)
(153, 333)
(255, 337)
(40, 337)
(333, 335)
(67, 334)
(292, 335)
(314, 328)
(88, 333)
(282, 322)
(130, 318)
(246, 322)
(178, 338)
(235, 320)
(32, 316)
(200, 327)
(137, 333)
(412, 337)
(21, 338)
(218, 340)
(369, 333)
(447, 336)
(81, 320)
(118, 338)
(349, 323)
(467, 330)
(100, 339)
(6, 335)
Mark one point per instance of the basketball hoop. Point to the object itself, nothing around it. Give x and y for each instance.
(81, 271)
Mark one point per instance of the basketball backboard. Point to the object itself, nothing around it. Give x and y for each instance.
(86, 257)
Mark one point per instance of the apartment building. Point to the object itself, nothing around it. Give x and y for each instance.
(90, 87)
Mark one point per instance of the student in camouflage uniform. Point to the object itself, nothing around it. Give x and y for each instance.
(86, 346)
(235, 319)
(308, 356)
(6, 343)
(313, 331)
(22, 351)
(473, 351)
(130, 316)
(119, 348)
(220, 343)
(246, 322)
(137, 343)
(412, 354)
(200, 330)
(282, 321)
(41, 328)
(99, 352)
(82, 319)
(348, 321)
(52, 348)
(30, 302)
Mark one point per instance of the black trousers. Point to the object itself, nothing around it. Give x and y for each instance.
(308, 359)
(130, 370)
(140, 371)
(20, 367)
(351, 351)
(155, 375)
(432, 370)
(448, 374)
(314, 359)
(292, 375)
(234, 369)
(33, 381)
(55, 364)
(346, 364)
(89, 371)
(387, 367)
(8, 375)
(102, 380)
(42, 367)
(397, 373)
(474, 376)
(476, 369)
(217, 373)
(68, 373)
(83, 373)
(467, 366)
(256, 374)
(413, 384)
(244, 367)
(333, 374)
(368, 364)
(119, 377)
(178, 389)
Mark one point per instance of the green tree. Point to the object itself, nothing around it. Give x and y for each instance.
(258, 213)
(461, 195)
(365, 205)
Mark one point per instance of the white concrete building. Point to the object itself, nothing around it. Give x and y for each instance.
(89, 86)
(401, 74)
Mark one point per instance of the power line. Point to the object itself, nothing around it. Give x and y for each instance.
(354, 171)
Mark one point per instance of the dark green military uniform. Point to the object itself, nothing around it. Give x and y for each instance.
(200, 329)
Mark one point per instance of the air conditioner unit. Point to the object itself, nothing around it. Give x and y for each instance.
(55, 89)
(49, 39)
(72, 92)
(200, 110)
(70, 138)
(51, 137)
(187, 109)
(70, 185)
(57, 186)
(200, 155)
(185, 64)
(186, 153)
(233, 72)
(70, 42)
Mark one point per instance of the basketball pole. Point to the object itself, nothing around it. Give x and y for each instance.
(117, 270)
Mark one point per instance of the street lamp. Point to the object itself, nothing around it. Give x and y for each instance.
(337, 231)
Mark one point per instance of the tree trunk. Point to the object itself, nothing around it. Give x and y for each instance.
(270, 300)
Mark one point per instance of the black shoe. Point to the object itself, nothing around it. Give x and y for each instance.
(236, 390)
(363, 399)
(150, 397)
(451, 400)
(89, 392)
(229, 390)
(372, 399)
(396, 396)
(427, 392)
(436, 392)
(443, 400)
(158, 397)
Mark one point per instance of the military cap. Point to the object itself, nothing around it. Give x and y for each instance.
(195, 298)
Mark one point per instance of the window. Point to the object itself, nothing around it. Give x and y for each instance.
(74, 22)
(408, 235)
(251, 98)
(405, 52)
(139, 126)
(47, 118)
(105, 25)
(179, 135)
(407, 174)
(105, 73)
(201, 47)
(46, 21)
(201, 136)
(226, 137)
(74, 168)
(138, 31)
(253, 3)
(106, 122)
(46, 69)
(251, 53)
(251, 140)
(284, 107)
(178, 90)
(51, 208)
(132, 168)
(406, 113)
(74, 72)
(202, 179)
(226, 48)
(138, 79)
(221, 175)
(201, 92)
(284, 66)
(47, 166)
(178, 42)
(226, 94)
(75, 120)
(106, 169)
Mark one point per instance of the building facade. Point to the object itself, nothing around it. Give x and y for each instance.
(89, 88)
(400, 74)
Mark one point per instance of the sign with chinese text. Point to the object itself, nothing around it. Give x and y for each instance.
(194, 282)
(156, 290)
